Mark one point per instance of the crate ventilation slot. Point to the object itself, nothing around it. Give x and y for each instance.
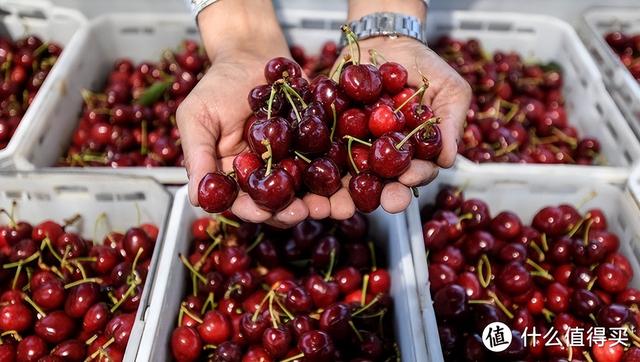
(33, 14)
(137, 30)
(71, 189)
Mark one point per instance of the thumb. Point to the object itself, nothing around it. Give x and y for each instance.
(198, 144)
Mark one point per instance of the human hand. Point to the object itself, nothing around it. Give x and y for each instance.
(211, 119)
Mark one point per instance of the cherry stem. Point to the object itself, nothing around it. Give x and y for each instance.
(259, 239)
(372, 250)
(35, 306)
(375, 55)
(365, 285)
(355, 330)
(226, 221)
(186, 263)
(144, 149)
(499, 304)
(13, 334)
(289, 315)
(631, 333)
(535, 247)
(82, 281)
(206, 253)
(571, 141)
(481, 301)
(587, 356)
(100, 350)
(124, 297)
(548, 315)
(186, 310)
(272, 96)
(293, 358)
(585, 240)
(591, 283)
(230, 290)
(289, 89)
(136, 259)
(484, 280)
(272, 312)
(335, 76)
(254, 317)
(209, 301)
(293, 106)
(543, 239)
(12, 222)
(351, 40)
(350, 140)
(419, 92)
(335, 121)
(542, 272)
(427, 123)
(332, 261)
(268, 155)
(21, 262)
(505, 150)
(374, 301)
(303, 157)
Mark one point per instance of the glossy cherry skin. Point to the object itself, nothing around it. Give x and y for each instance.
(276, 131)
(186, 344)
(353, 122)
(50, 295)
(215, 328)
(384, 119)
(550, 221)
(361, 82)
(611, 278)
(276, 341)
(613, 316)
(334, 320)
(272, 192)
(366, 189)
(440, 275)
(514, 279)
(450, 302)
(379, 281)
(17, 317)
(479, 211)
(394, 77)
(70, 350)
(386, 160)
(506, 225)
(280, 67)
(217, 192)
(227, 352)
(317, 346)
(243, 165)
(322, 177)
(31, 348)
(137, 241)
(478, 243)
(312, 136)
(55, 327)
(80, 299)
(428, 143)
(96, 317)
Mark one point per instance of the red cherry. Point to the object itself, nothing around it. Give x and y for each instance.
(394, 77)
(186, 344)
(215, 328)
(384, 119)
(217, 192)
(361, 82)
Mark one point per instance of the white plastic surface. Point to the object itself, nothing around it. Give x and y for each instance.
(139, 37)
(589, 107)
(595, 24)
(389, 231)
(523, 195)
(62, 195)
(50, 23)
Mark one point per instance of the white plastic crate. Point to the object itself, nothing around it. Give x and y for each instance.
(523, 195)
(62, 195)
(589, 107)
(50, 23)
(595, 24)
(139, 37)
(389, 231)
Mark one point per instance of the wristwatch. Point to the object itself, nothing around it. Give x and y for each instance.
(197, 6)
(387, 24)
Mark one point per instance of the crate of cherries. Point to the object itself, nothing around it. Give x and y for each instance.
(518, 112)
(562, 272)
(627, 47)
(363, 121)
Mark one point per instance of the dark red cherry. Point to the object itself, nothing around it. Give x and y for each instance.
(386, 159)
(186, 344)
(352, 122)
(394, 77)
(383, 119)
(276, 131)
(273, 191)
(366, 189)
(335, 319)
(279, 68)
(361, 82)
(217, 192)
(428, 143)
(322, 177)
(55, 327)
(317, 346)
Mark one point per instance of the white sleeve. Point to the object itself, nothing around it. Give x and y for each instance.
(197, 6)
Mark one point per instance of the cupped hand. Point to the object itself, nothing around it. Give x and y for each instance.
(449, 96)
(211, 123)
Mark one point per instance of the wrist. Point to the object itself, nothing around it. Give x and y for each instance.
(360, 8)
(231, 26)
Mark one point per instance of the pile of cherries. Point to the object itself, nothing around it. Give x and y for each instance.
(314, 65)
(64, 298)
(517, 112)
(255, 293)
(627, 47)
(564, 271)
(131, 122)
(24, 64)
(304, 137)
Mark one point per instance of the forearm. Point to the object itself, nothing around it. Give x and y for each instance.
(229, 25)
(360, 8)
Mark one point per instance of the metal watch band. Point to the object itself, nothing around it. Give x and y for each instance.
(197, 6)
(387, 24)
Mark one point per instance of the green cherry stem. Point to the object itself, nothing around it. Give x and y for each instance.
(303, 157)
(351, 41)
(372, 251)
(186, 263)
(332, 261)
(419, 92)
(272, 96)
(293, 106)
(427, 123)
(365, 285)
(258, 240)
(350, 140)
(268, 155)
(293, 358)
(335, 121)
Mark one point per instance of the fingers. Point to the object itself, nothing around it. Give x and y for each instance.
(396, 197)
(319, 206)
(419, 173)
(342, 207)
(246, 209)
(291, 215)
(198, 144)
